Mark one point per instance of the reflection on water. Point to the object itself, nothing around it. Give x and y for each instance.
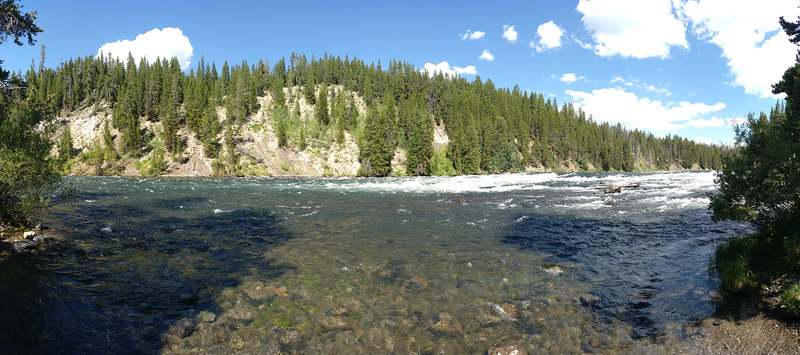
(454, 265)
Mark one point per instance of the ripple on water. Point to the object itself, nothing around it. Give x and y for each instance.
(367, 265)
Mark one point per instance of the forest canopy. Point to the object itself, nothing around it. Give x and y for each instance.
(490, 129)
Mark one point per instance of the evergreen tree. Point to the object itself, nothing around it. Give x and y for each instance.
(65, 145)
(321, 108)
(420, 143)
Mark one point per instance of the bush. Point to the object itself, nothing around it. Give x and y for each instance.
(27, 174)
(790, 301)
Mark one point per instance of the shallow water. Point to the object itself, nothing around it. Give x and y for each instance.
(421, 265)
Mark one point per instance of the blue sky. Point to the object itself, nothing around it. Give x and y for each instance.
(666, 66)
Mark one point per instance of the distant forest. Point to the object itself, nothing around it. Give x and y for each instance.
(490, 129)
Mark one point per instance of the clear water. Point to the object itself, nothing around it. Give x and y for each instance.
(420, 265)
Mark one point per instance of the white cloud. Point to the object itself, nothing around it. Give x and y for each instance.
(711, 122)
(509, 33)
(570, 78)
(748, 33)
(486, 55)
(549, 36)
(660, 91)
(702, 140)
(615, 105)
(632, 28)
(164, 43)
(444, 68)
(472, 35)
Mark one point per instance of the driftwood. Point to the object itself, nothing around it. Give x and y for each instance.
(614, 189)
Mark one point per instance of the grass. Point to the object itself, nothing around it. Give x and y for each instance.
(749, 263)
(790, 301)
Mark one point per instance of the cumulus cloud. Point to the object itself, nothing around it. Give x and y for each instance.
(549, 36)
(615, 105)
(632, 28)
(157, 43)
(472, 35)
(570, 78)
(444, 68)
(510, 33)
(710, 122)
(748, 33)
(486, 55)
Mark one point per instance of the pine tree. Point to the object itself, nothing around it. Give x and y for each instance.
(280, 128)
(420, 143)
(65, 145)
(321, 108)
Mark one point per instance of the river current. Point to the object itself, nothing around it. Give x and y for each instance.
(354, 265)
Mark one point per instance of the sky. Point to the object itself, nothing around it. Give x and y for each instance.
(692, 68)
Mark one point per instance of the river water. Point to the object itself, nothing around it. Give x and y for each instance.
(352, 265)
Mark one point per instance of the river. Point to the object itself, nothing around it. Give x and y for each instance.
(354, 265)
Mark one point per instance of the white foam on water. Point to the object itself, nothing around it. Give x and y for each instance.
(217, 210)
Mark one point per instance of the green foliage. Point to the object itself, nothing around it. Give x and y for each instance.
(790, 301)
(27, 175)
(418, 129)
(154, 165)
(732, 262)
(321, 107)
(481, 120)
(505, 160)
(279, 121)
(65, 149)
(441, 165)
(302, 143)
(760, 184)
(108, 141)
(378, 145)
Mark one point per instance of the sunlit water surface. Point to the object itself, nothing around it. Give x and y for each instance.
(421, 265)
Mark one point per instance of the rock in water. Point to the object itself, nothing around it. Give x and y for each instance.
(23, 246)
(206, 316)
(507, 350)
(589, 299)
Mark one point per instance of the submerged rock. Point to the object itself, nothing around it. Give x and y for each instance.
(554, 270)
(507, 350)
(206, 316)
(331, 323)
(23, 246)
(44, 239)
(446, 325)
(420, 281)
(589, 299)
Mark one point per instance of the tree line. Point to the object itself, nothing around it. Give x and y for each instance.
(490, 129)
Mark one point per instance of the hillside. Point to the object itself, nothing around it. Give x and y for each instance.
(327, 117)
